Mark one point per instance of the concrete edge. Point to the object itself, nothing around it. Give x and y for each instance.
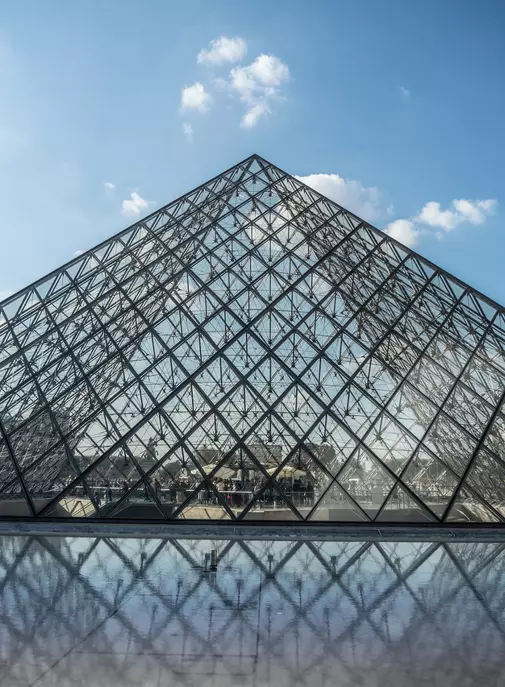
(252, 532)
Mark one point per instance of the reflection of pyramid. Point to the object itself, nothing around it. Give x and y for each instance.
(276, 613)
(252, 350)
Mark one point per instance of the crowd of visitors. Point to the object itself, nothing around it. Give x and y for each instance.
(237, 492)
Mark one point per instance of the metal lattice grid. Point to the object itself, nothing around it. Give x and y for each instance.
(252, 351)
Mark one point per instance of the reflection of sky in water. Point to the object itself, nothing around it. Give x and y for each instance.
(105, 611)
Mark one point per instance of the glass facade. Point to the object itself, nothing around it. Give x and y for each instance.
(252, 351)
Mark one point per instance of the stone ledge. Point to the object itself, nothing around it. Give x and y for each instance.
(225, 530)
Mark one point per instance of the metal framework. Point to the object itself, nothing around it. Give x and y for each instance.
(252, 351)
(79, 612)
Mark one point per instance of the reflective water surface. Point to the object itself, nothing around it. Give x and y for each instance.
(99, 611)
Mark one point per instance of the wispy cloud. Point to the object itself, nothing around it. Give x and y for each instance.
(460, 212)
(222, 50)
(187, 130)
(134, 205)
(404, 231)
(109, 185)
(404, 91)
(257, 85)
(254, 114)
(77, 252)
(432, 217)
(365, 201)
(195, 97)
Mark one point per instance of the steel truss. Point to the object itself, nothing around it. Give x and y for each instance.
(252, 351)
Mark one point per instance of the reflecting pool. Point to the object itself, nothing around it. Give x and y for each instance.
(144, 612)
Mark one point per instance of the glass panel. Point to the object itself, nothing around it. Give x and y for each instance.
(141, 503)
(390, 442)
(79, 502)
(495, 438)
(366, 481)
(330, 443)
(468, 508)
(468, 409)
(336, 505)
(487, 478)
(204, 504)
(78, 506)
(431, 480)
(450, 443)
(431, 379)
(270, 506)
(401, 507)
(13, 502)
(413, 410)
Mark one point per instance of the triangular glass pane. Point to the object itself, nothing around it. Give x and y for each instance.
(366, 481)
(469, 508)
(141, 503)
(203, 504)
(172, 482)
(431, 480)
(335, 505)
(13, 502)
(234, 471)
(401, 507)
(390, 442)
(487, 479)
(77, 503)
(118, 472)
(331, 443)
(270, 506)
(450, 443)
(495, 436)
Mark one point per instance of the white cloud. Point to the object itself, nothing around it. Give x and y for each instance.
(475, 211)
(403, 230)
(404, 91)
(134, 205)
(109, 185)
(257, 84)
(266, 72)
(489, 206)
(351, 194)
(432, 217)
(77, 252)
(187, 130)
(195, 97)
(253, 114)
(460, 212)
(367, 202)
(223, 50)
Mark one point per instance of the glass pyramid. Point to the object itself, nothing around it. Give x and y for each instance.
(252, 351)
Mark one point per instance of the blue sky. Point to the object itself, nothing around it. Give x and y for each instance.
(395, 108)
